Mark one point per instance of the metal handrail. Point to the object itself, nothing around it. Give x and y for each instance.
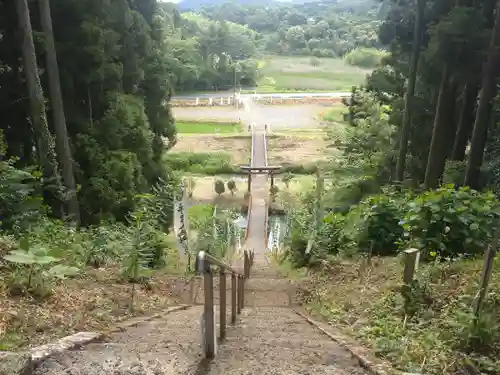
(204, 264)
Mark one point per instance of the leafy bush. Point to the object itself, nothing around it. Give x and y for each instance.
(331, 239)
(219, 187)
(364, 57)
(447, 222)
(231, 185)
(210, 163)
(287, 178)
(20, 196)
(35, 270)
(314, 61)
(454, 172)
(378, 230)
(309, 168)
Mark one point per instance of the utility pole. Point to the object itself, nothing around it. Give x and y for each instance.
(234, 85)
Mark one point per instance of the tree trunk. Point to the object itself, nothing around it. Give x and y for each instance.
(488, 91)
(465, 122)
(45, 142)
(62, 141)
(451, 116)
(437, 152)
(405, 130)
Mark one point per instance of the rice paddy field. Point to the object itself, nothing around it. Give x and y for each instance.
(297, 73)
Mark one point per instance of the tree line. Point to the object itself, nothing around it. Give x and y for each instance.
(441, 81)
(322, 29)
(84, 92)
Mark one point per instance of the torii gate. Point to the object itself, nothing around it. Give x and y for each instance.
(270, 170)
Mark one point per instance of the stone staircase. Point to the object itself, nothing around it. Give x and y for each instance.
(268, 338)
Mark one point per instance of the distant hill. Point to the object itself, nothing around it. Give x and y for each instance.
(344, 5)
(186, 5)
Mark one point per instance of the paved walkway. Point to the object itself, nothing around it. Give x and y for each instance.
(268, 339)
(257, 228)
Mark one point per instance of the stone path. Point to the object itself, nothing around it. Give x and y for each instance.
(162, 346)
(268, 339)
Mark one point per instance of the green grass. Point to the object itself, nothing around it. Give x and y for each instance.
(282, 74)
(335, 114)
(186, 127)
(205, 163)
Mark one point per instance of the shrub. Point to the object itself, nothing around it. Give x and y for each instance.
(447, 222)
(378, 230)
(315, 61)
(231, 185)
(454, 172)
(364, 57)
(210, 163)
(20, 196)
(287, 178)
(309, 168)
(219, 187)
(190, 185)
(331, 237)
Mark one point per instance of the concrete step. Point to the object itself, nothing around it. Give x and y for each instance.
(170, 345)
(278, 341)
(258, 292)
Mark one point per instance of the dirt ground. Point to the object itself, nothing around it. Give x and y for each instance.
(277, 117)
(94, 301)
(238, 146)
(204, 188)
(296, 149)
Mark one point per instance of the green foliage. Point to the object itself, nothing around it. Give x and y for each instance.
(287, 178)
(309, 29)
(454, 172)
(447, 222)
(207, 127)
(35, 270)
(331, 239)
(190, 186)
(20, 202)
(231, 185)
(213, 163)
(378, 230)
(364, 57)
(219, 187)
(214, 233)
(315, 61)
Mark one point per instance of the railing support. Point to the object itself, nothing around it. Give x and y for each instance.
(240, 289)
(243, 292)
(204, 263)
(246, 264)
(209, 314)
(222, 298)
(234, 295)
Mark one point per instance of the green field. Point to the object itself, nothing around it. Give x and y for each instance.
(282, 74)
(185, 127)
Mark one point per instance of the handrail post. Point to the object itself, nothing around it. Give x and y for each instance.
(234, 295)
(243, 280)
(222, 291)
(203, 265)
(240, 288)
(246, 264)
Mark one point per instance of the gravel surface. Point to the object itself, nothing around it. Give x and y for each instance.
(166, 346)
(272, 341)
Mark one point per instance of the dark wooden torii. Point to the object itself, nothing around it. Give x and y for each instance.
(270, 170)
